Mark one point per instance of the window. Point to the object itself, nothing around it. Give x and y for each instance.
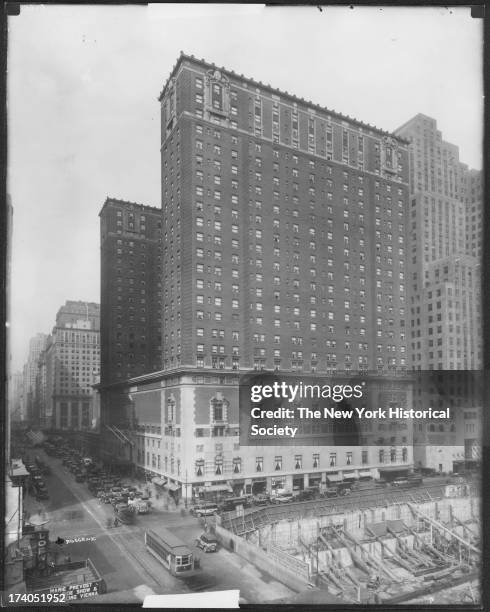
(298, 462)
(217, 410)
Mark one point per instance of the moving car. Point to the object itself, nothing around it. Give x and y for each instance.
(207, 543)
(205, 509)
(140, 506)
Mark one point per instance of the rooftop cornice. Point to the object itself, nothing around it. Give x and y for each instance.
(202, 62)
(119, 201)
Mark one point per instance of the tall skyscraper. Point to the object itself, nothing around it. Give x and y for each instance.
(37, 344)
(131, 280)
(283, 249)
(474, 213)
(284, 230)
(72, 367)
(444, 271)
(444, 238)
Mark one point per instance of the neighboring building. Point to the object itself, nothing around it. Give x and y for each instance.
(131, 281)
(16, 396)
(72, 367)
(284, 248)
(131, 310)
(40, 397)
(444, 283)
(37, 345)
(474, 213)
(444, 271)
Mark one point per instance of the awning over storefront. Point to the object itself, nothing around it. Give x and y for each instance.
(334, 478)
(173, 486)
(365, 474)
(159, 482)
(218, 488)
(350, 476)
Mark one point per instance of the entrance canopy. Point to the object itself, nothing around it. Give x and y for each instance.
(334, 478)
(173, 487)
(159, 481)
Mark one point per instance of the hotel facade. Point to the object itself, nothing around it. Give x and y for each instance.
(284, 229)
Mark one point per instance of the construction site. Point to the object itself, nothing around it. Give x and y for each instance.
(398, 547)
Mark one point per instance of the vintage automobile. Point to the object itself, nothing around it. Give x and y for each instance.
(205, 509)
(306, 494)
(282, 498)
(261, 499)
(207, 543)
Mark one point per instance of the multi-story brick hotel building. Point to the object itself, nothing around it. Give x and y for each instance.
(283, 248)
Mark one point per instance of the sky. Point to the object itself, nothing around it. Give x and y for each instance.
(84, 121)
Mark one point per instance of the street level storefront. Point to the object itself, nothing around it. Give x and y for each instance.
(214, 491)
(391, 472)
(174, 490)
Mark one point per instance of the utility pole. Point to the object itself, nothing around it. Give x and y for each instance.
(186, 490)
(317, 538)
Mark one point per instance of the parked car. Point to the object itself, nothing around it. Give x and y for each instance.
(118, 500)
(230, 504)
(415, 480)
(261, 499)
(207, 543)
(306, 495)
(400, 482)
(282, 498)
(205, 509)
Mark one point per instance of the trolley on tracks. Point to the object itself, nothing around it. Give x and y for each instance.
(172, 553)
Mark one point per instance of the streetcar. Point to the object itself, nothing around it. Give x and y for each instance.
(172, 553)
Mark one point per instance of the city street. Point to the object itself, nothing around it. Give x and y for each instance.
(119, 553)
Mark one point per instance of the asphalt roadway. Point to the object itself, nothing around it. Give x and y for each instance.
(119, 553)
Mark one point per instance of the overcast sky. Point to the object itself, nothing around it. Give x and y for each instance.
(83, 114)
